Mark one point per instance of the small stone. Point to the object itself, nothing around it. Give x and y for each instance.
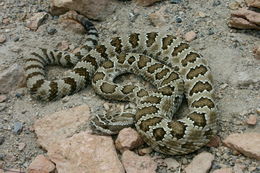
(51, 31)
(17, 127)
(258, 111)
(171, 163)
(246, 143)
(200, 163)
(2, 156)
(138, 164)
(41, 165)
(2, 38)
(211, 31)
(6, 21)
(3, 98)
(128, 139)
(2, 140)
(223, 170)
(21, 146)
(216, 3)
(145, 151)
(256, 51)
(251, 120)
(36, 20)
(175, 1)
(178, 20)
(16, 39)
(18, 95)
(157, 19)
(201, 14)
(189, 36)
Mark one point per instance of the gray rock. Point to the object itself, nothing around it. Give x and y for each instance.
(17, 127)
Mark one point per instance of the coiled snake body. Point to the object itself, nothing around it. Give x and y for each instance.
(162, 59)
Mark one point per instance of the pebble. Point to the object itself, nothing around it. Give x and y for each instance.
(211, 31)
(17, 127)
(258, 110)
(2, 140)
(51, 31)
(21, 146)
(2, 98)
(2, 38)
(251, 120)
(16, 39)
(178, 20)
(175, 1)
(189, 36)
(216, 3)
(18, 95)
(2, 156)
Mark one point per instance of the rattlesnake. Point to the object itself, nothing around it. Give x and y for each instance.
(163, 59)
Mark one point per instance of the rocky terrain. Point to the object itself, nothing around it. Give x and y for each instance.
(54, 136)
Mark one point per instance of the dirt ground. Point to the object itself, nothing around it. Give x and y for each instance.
(229, 52)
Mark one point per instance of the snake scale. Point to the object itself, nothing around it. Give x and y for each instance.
(168, 63)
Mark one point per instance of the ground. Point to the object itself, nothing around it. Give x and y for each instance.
(228, 51)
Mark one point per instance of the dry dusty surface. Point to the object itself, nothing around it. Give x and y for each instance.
(229, 52)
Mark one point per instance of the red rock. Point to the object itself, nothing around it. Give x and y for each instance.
(158, 18)
(253, 3)
(189, 36)
(60, 125)
(223, 170)
(34, 22)
(84, 152)
(63, 45)
(245, 19)
(200, 163)
(6, 21)
(146, 2)
(3, 98)
(41, 165)
(251, 120)
(2, 38)
(128, 139)
(138, 164)
(256, 51)
(246, 143)
(93, 9)
(12, 78)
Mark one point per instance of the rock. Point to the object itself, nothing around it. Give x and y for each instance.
(93, 9)
(234, 5)
(238, 168)
(256, 51)
(253, 3)
(3, 98)
(223, 170)
(6, 21)
(84, 152)
(59, 125)
(200, 163)
(251, 120)
(12, 78)
(214, 142)
(258, 111)
(178, 19)
(2, 38)
(138, 164)
(145, 151)
(146, 2)
(158, 18)
(175, 1)
(189, 36)
(245, 19)
(51, 31)
(41, 165)
(17, 127)
(246, 143)
(171, 163)
(36, 20)
(21, 146)
(128, 139)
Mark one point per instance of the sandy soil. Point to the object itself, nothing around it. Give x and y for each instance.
(228, 51)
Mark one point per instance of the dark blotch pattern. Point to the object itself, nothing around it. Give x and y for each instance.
(116, 42)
